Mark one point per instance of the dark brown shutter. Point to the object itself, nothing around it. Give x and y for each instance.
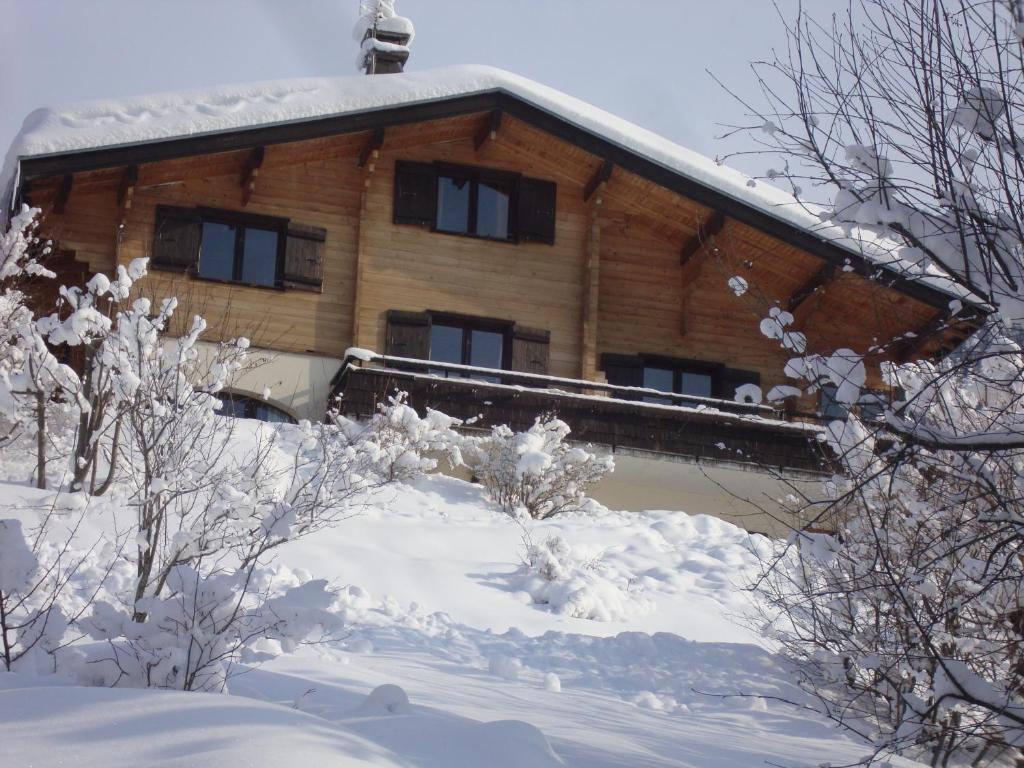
(536, 211)
(530, 350)
(731, 378)
(304, 257)
(415, 193)
(624, 371)
(176, 238)
(408, 335)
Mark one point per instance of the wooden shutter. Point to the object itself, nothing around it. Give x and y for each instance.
(415, 193)
(624, 371)
(304, 257)
(408, 335)
(176, 238)
(536, 211)
(731, 378)
(530, 350)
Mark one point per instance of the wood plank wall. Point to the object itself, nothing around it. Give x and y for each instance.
(643, 306)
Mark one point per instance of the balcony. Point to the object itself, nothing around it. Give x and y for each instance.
(702, 430)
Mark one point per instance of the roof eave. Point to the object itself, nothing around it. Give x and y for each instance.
(78, 161)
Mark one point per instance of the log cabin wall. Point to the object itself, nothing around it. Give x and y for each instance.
(646, 301)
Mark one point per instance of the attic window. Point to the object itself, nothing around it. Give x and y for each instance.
(475, 202)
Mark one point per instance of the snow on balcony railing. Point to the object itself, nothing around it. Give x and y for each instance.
(356, 359)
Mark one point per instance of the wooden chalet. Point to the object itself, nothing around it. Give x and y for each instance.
(495, 249)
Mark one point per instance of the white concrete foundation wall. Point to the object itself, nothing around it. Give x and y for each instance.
(299, 384)
(748, 496)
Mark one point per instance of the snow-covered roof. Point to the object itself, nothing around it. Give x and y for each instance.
(161, 117)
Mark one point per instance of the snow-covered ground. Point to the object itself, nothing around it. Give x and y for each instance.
(437, 601)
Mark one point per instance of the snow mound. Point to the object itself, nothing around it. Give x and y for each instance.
(387, 699)
(182, 730)
(556, 576)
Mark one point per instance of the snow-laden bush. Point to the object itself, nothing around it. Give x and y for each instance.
(31, 625)
(406, 443)
(33, 383)
(199, 502)
(537, 471)
(201, 627)
(557, 576)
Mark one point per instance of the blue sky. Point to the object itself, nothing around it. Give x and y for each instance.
(642, 59)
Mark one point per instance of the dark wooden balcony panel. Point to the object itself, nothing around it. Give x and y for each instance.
(681, 431)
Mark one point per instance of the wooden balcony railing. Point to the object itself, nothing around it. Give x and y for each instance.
(701, 429)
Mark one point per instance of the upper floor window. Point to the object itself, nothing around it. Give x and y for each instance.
(236, 247)
(476, 202)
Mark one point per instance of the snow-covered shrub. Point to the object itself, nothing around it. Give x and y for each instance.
(405, 443)
(45, 586)
(555, 575)
(32, 381)
(201, 627)
(536, 471)
(24, 622)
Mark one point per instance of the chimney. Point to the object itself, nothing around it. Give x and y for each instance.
(384, 38)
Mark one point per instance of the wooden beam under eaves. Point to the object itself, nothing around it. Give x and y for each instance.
(815, 283)
(249, 173)
(598, 180)
(371, 149)
(707, 230)
(910, 348)
(126, 187)
(692, 258)
(60, 202)
(489, 131)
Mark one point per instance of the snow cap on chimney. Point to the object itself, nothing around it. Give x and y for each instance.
(384, 37)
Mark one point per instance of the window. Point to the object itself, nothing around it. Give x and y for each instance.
(476, 202)
(676, 379)
(240, 249)
(696, 378)
(458, 339)
(870, 407)
(245, 407)
(468, 341)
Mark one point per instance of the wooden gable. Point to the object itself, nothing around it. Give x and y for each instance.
(634, 266)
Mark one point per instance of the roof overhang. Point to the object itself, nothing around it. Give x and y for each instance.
(41, 166)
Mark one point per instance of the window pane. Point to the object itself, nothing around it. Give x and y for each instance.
(872, 407)
(233, 405)
(452, 204)
(697, 384)
(217, 251)
(492, 209)
(267, 412)
(831, 409)
(445, 343)
(660, 379)
(485, 348)
(259, 257)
